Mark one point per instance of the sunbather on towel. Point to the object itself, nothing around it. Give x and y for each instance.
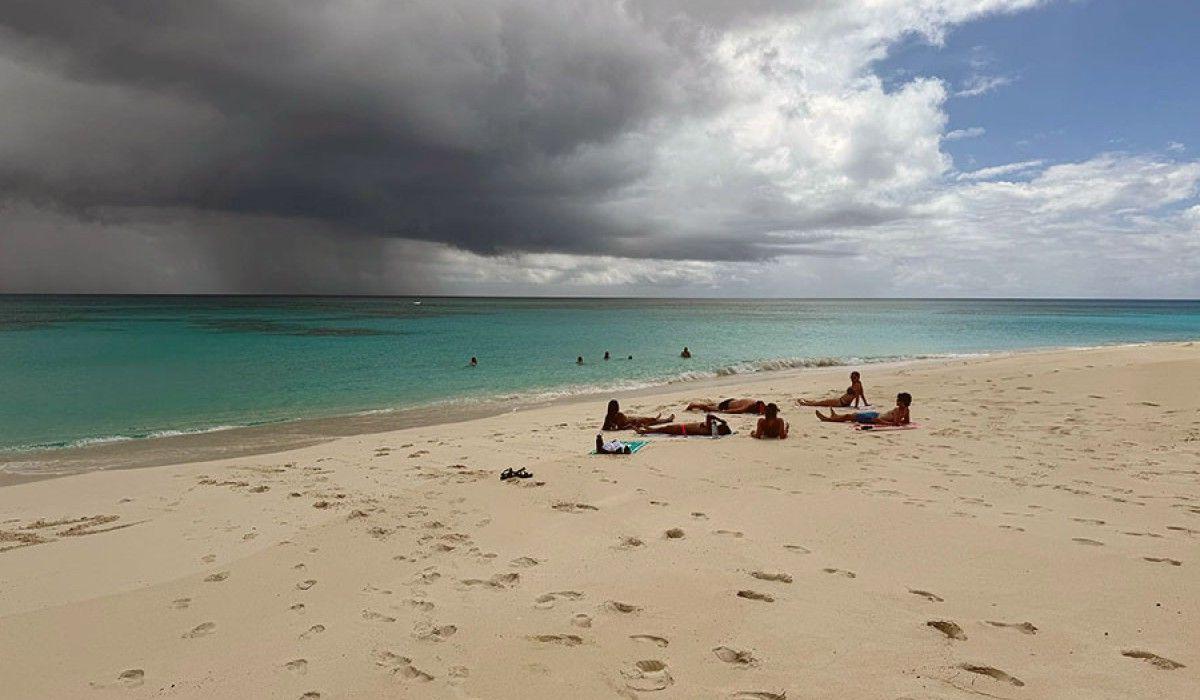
(771, 425)
(711, 426)
(729, 406)
(611, 447)
(854, 394)
(896, 416)
(615, 420)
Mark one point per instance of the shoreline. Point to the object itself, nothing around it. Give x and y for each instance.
(205, 445)
(1040, 527)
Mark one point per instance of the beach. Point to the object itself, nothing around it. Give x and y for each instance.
(1036, 537)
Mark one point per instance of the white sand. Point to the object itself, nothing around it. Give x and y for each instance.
(1049, 509)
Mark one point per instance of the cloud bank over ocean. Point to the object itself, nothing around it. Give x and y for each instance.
(636, 147)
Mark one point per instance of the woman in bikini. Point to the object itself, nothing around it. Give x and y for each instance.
(854, 394)
(711, 426)
(615, 420)
(729, 406)
(771, 426)
(897, 416)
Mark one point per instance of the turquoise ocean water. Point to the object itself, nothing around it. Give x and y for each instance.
(88, 369)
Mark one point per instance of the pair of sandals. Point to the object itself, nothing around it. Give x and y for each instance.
(510, 473)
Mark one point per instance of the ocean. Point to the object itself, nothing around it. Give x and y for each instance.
(81, 370)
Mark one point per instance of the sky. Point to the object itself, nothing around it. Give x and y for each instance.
(807, 148)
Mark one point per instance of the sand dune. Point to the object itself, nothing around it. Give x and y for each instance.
(1038, 537)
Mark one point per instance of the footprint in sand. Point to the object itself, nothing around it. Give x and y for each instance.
(401, 666)
(200, 630)
(181, 603)
(731, 533)
(422, 605)
(674, 534)
(524, 562)
(759, 695)
(214, 578)
(617, 606)
(376, 617)
(1022, 627)
(581, 620)
(734, 656)
(208, 558)
(311, 695)
(1089, 521)
(1153, 659)
(660, 641)
(564, 507)
(438, 634)
(841, 572)
(567, 640)
(798, 548)
(132, 678)
(993, 673)
(498, 581)
(547, 600)
(931, 597)
(648, 675)
(948, 628)
(630, 542)
(754, 595)
(305, 585)
(1164, 560)
(1090, 543)
(768, 576)
(297, 666)
(315, 629)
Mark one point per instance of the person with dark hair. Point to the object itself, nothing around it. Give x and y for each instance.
(615, 420)
(474, 362)
(897, 416)
(579, 360)
(854, 394)
(711, 426)
(729, 406)
(606, 355)
(771, 425)
(686, 354)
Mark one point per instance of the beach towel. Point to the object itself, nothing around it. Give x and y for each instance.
(689, 436)
(633, 445)
(867, 427)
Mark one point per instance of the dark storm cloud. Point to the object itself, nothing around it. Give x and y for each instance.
(479, 125)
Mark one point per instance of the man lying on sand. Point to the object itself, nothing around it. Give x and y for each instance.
(615, 420)
(711, 426)
(896, 416)
(854, 394)
(771, 426)
(729, 406)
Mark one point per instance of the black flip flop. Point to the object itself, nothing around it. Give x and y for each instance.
(522, 474)
(507, 474)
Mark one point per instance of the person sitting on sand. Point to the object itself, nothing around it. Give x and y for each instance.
(896, 416)
(771, 425)
(612, 447)
(615, 420)
(711, 426)
(854, 394)
(729, 406)
(686, 354)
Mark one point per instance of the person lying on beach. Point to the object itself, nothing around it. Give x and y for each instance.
(615, 420)
(771, 425)
(711, 426)
(611, 447)
(854, 394)
(729, 406)
(896, 416)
